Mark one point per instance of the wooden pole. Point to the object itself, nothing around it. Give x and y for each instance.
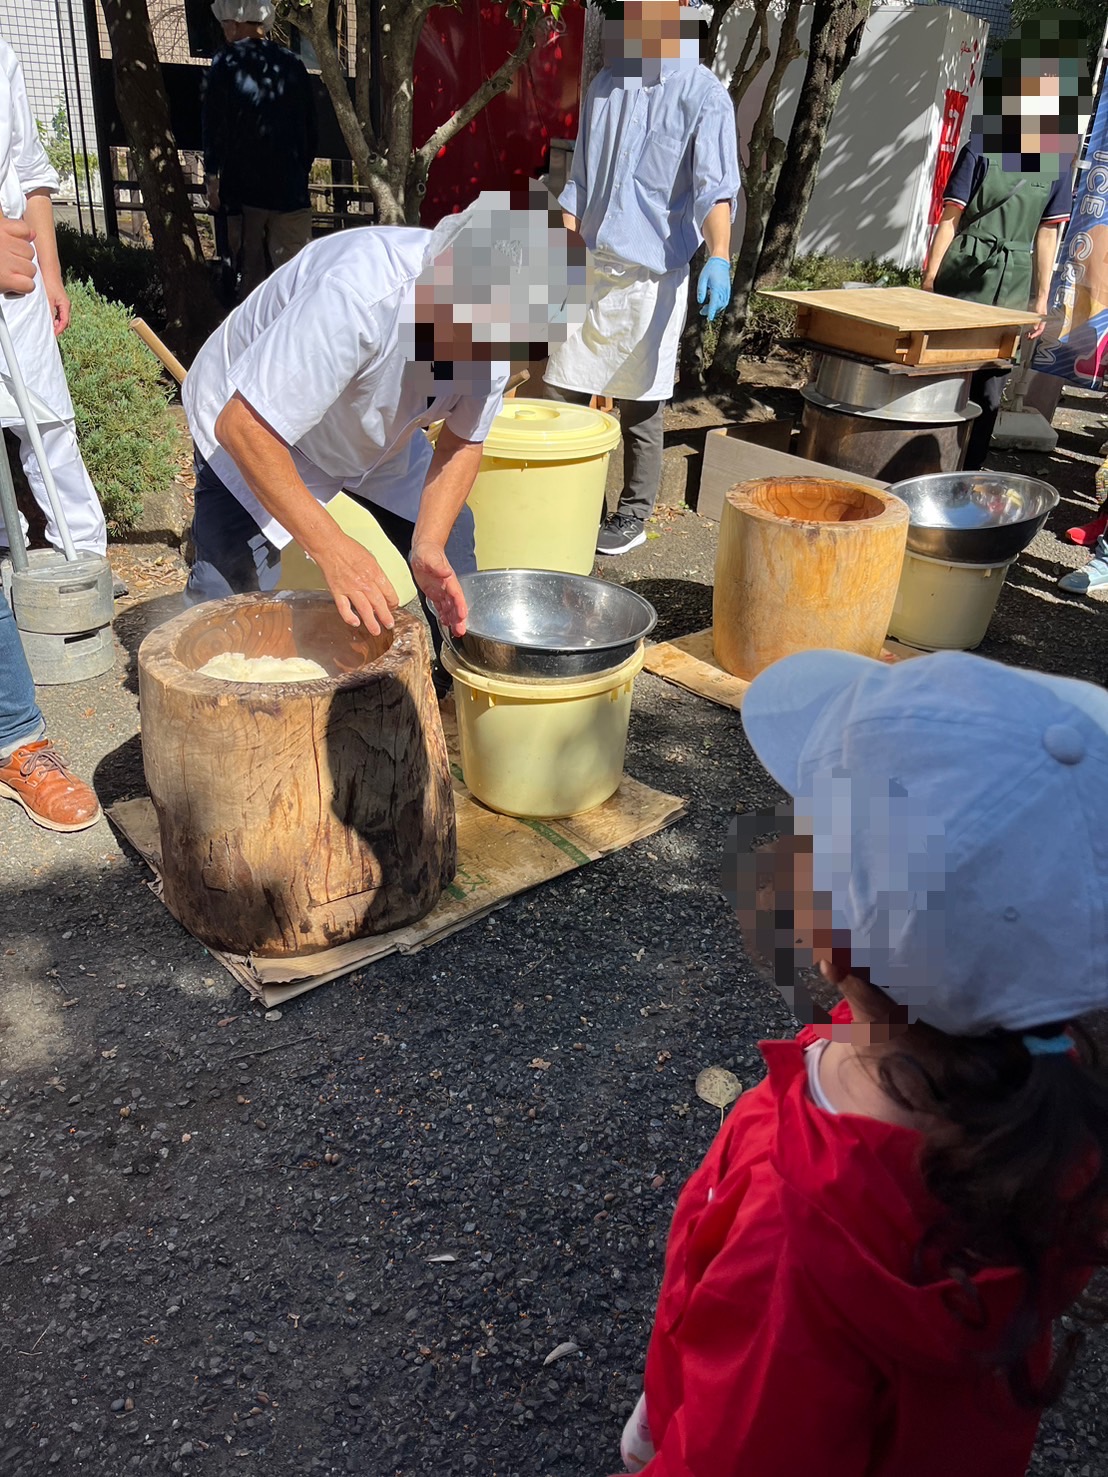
(156, 347)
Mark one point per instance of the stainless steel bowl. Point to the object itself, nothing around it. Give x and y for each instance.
(844, 384)
(528, 623)
(974, 517)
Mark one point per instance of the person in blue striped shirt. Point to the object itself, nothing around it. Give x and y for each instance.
(655, 173)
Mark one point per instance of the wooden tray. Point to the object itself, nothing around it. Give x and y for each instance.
(904, 325)
(901, 371)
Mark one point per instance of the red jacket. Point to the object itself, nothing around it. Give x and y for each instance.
(790, 1337)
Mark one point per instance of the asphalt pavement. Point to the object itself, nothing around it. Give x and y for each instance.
(347, 1238)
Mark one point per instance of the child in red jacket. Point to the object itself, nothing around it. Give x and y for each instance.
(863, 1275)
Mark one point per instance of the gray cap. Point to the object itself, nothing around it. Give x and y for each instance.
(958, 810)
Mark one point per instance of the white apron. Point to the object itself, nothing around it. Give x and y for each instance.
(627, 347)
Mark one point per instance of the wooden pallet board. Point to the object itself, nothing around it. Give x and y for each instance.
(904, 325)
(690, 662)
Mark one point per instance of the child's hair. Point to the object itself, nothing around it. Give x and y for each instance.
(1017, 1154)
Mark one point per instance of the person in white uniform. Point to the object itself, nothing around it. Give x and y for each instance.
(27, 181)
(326, 377)
(655, 174)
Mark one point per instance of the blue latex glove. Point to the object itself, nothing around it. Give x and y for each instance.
(715, 285)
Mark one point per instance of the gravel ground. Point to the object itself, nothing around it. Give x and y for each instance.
(222, 1236)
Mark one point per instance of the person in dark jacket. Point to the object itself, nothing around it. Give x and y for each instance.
(259, 140)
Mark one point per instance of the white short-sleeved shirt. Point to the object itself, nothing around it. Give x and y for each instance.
(317, 352)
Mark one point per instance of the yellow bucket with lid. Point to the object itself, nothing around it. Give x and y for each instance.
(538, 500)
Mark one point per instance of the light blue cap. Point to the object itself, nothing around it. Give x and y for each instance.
(959, 815)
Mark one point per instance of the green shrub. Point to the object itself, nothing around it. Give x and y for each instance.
(121, 273)
(770, 321)
(128, 436)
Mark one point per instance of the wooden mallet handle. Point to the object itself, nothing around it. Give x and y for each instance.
(156, 347)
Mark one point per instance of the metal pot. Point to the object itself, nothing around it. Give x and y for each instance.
(540, 623)
(844, 384)
(875, 446)
(975, 517)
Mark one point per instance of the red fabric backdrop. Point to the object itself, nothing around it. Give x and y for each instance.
(508, 139)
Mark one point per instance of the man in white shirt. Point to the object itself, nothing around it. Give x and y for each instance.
(326, 377)
(35, 319)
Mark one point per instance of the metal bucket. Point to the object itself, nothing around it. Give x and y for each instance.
(883, 449)
(845, 384)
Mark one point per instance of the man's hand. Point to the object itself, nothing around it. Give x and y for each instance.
(58, 299)
(360, 587)
(432, 573)
(17, 257)
(927, 285)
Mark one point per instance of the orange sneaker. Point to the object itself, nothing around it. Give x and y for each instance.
(37, 778)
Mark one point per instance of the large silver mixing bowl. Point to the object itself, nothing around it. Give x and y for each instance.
(528, 623)
(974, 517)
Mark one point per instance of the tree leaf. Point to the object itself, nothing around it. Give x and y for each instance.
(718, 1086)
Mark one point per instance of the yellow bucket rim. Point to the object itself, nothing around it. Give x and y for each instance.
(555, 690)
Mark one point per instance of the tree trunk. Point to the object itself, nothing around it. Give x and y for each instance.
(766, 154)
(592, 49)
(691, 361)
(191, 309)
(837, 27)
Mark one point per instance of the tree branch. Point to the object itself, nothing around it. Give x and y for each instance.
(746, 70)
(499, 82)
(312, 20)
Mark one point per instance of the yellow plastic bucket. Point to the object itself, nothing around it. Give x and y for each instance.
(538, 500)
(299, 573)
(542, 750)
(945, 607)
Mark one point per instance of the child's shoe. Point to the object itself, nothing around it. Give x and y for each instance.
(1087, 535)
(1094, 576)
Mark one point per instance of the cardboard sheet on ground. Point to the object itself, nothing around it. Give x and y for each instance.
(690, 662)
(498, 857)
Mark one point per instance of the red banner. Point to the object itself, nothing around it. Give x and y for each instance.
(954, 111)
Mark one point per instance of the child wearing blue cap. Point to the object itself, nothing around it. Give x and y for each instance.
(863, 1277)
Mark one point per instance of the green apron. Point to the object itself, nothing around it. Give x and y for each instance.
(990, 259)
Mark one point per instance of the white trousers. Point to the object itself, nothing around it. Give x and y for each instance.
(36, 349)
(76, 493)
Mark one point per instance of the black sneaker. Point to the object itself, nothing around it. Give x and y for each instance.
(619, 534)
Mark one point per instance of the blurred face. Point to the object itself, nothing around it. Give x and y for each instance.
(1034, 110)
(507, 287)
(788, 931)
(652, 30)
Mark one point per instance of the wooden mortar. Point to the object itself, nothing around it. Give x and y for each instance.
(803, 564)
(295, 816)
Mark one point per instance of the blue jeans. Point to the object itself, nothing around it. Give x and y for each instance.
(21, 722)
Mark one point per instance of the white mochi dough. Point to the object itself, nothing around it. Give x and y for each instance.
(235, 666)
